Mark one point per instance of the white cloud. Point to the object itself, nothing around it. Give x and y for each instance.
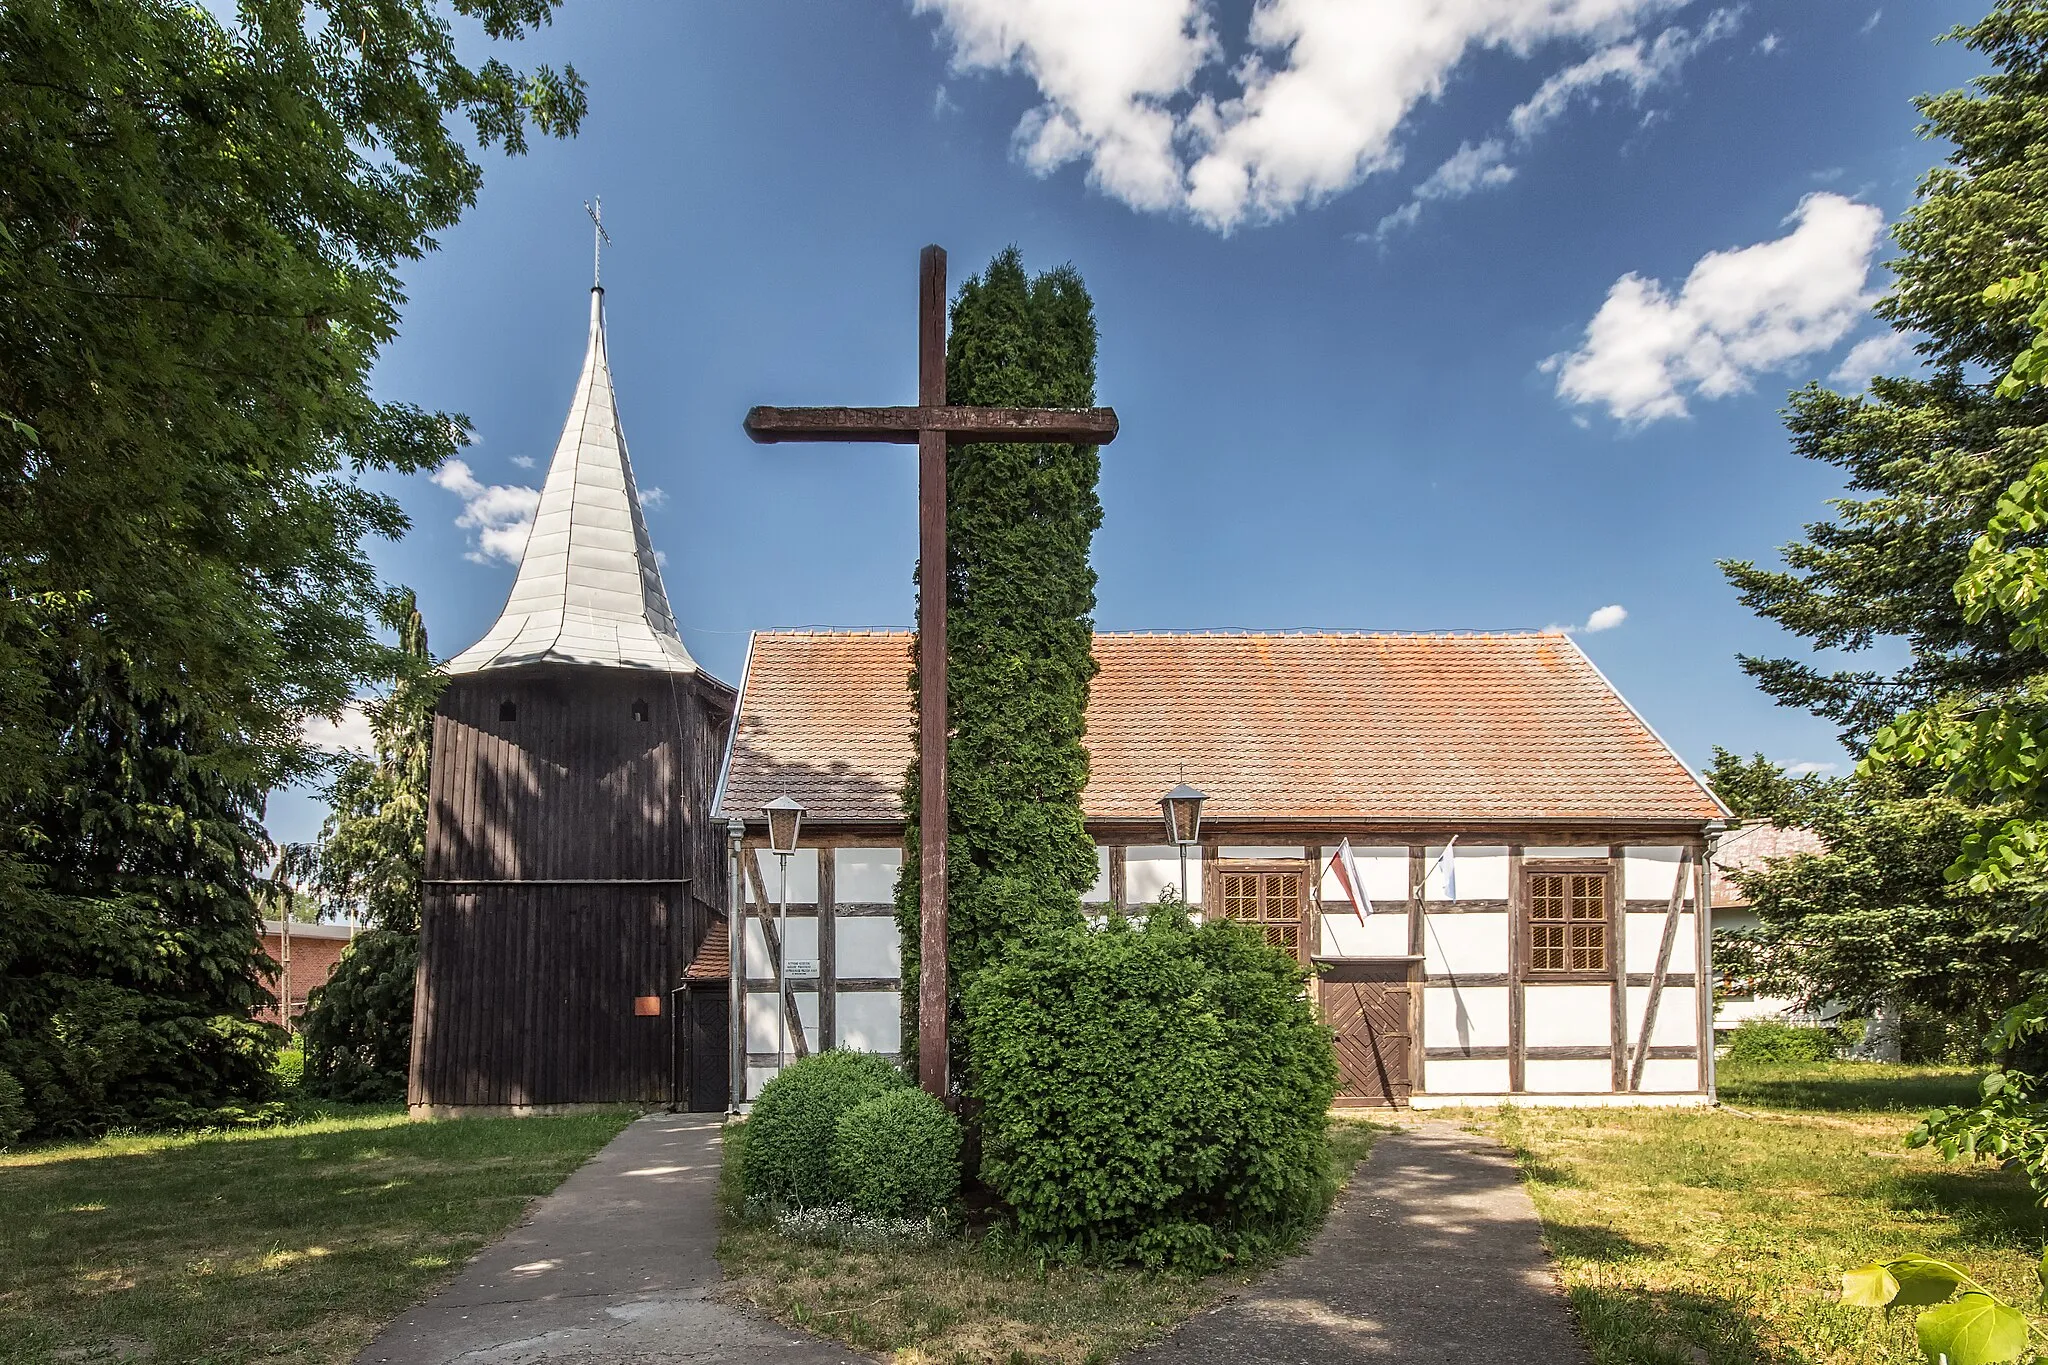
(523, 461)
(1740, 312)
(653, 497)
(1469, 170)
(1106, 72)
(350, 734)
(1810, 769)
(1871, 22)
(1872, 355)
(1605, 618)
(1637, 64)
(1313, 106)
(500, 514)
(1768, 43)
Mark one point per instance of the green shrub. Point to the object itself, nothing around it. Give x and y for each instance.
(357, 1029)
(1155, 1093)
(792, 1124)
(897, 1155)
(1771, 1040)
(289, 1069)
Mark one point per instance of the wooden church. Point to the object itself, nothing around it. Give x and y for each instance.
(1529, 917)
(570, 875)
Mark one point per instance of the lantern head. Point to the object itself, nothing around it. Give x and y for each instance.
(785, 817)
(1182, 808)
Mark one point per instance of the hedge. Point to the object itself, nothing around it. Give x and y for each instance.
(1156, 1094)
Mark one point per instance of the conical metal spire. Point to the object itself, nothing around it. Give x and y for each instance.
(588, 590)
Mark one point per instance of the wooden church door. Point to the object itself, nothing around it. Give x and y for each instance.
(1370, 1005)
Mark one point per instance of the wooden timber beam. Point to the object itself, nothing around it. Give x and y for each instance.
(962, 425)
(790, 1016)
(1663, 971)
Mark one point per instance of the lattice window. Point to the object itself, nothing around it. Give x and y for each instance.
(1270, 900)
(1567, 922)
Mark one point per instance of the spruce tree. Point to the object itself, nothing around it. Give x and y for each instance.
(1020, 603)
(1926, 457)
(129, 976)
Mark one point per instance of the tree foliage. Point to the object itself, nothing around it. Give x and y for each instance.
(201, 228)
(373, 846)
(1873, 918)
(1020, 598)
(129, 975)
(1926, 459)
(357, 1029)
(1755, 788)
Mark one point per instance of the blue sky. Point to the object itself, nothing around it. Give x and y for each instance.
(1344, 297)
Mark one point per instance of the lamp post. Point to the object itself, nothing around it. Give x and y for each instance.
(1182, 808)
(736, 963)
(785, 818)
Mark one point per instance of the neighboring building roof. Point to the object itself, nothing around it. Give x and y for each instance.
(1410, 728)
(273, 928)
(589, 590)
(1749, 848)
(713, 961)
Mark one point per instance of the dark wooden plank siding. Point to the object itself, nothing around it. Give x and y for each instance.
(571, 868)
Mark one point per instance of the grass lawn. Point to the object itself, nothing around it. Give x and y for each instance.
(293, 1243)
(1696, 1236)
(955, 1305)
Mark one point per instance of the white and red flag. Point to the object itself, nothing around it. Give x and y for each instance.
(1344, 867)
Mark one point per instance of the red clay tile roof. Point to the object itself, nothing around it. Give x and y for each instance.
(1751, 848)
(1277, 727)
(713, 961)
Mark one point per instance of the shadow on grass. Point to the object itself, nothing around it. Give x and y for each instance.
(1988, 1206)
(1669, 1327)
(1840, 1087)
(1589, 1242)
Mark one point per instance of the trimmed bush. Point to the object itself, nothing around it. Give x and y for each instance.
(897, 1155)
(1155, 1094)
(1771, 1040)
(792, 1124)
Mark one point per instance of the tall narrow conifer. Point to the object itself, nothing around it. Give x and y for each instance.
(1021, 598)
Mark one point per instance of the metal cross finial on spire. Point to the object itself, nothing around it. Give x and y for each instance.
(595, 208)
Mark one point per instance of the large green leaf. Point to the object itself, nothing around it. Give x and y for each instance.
(1974, 1330)
(1869, 1286)
(1923, 1280)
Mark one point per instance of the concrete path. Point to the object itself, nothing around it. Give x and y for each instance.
(1433, 1254)
(616, 1266)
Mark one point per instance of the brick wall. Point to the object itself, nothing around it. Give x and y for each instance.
(315, 950)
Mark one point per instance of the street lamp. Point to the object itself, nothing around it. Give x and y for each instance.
(785, 818)
(1182, 808)
(736, 962)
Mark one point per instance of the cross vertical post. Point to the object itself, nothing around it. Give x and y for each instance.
(934, 1045)
(932, 426)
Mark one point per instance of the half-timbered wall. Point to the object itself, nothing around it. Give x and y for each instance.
(1485, 1024)
(842, 922)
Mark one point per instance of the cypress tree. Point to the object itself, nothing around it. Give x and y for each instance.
(1020, 604)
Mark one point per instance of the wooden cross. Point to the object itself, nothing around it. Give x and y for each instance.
(931, 426)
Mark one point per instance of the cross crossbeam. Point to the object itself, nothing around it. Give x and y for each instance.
(962, 426)
(932, 426)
